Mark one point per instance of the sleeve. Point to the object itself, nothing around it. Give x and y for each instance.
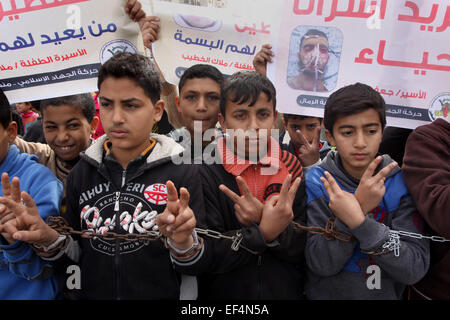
(46, 191)
(72, 251)
(426, 171)
(292, 241)
(42, 151)
(324, 257)
(219, 257)
(414, 257)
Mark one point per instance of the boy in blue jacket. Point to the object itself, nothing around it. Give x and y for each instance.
(23, 275)
(362, 200)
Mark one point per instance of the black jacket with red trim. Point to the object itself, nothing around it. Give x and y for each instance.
(258, 270)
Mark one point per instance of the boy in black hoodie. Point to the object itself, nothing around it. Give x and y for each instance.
(119, 185)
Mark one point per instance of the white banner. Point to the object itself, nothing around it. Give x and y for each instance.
(227, 37)
(54, 48)
(400, 48)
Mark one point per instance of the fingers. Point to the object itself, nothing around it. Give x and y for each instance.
(316, 139)
(172, 194)
(6, 186)
(7, 217)
(273, 200)
(11, 205)
(134, 10)
(233, 196)
(245, 191)
(293, 189)
(184, 198)
(385, 171)
(15, 189)
(301, 137)
(284, 192)
(371, 168)
(330, 184)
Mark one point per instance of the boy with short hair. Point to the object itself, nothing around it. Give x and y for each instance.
(119, 186)
(362, 200)
(249, 197)
(23, 275)
(68, 125)
(198, 104)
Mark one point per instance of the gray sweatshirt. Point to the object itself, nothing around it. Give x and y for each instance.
(340, 270)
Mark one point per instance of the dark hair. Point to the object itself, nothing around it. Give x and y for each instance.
(246, 86)
(85, 102)
(353, 99)
(287, 116)
(201, 71)
(5, 110)
(36, 104)
(15, 116)
(136, 67)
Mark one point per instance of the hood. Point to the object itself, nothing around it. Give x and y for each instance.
(332, 163)
(165, 147)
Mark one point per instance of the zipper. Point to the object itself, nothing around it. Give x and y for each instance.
(259, 276)
(117, 255)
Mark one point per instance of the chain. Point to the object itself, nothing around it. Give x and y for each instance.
(420, 236)
(61, 226)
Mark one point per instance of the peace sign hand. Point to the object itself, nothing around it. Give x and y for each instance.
(277, 211)
(371, 188)
(342, 203)
(247, 208)
(309, 152)
(177, 222)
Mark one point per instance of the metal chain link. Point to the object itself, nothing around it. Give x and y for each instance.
(61, 226)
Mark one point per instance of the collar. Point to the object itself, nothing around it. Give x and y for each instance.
(235, 165)
(108, 144)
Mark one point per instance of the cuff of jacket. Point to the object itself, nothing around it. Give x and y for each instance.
(370, 234)
(16, 252)
(253, 238)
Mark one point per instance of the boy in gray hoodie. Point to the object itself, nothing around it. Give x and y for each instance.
(361, 200)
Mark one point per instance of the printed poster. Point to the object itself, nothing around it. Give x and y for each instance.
(227, 36)
(55, 48)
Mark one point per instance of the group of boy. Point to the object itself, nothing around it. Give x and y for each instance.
(252, 190)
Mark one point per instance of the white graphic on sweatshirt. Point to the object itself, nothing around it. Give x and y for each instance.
(135, 216)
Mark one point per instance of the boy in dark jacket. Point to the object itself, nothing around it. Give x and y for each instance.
(362, 200)
(249, 198)
(119, 185)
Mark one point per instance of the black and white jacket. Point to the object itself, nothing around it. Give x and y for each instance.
(102, 196)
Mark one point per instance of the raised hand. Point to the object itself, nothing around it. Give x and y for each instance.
(10, 191)
(371, 188)
(149, 28)
(247, 208)
(343, 204)
(27, 225)
(262, 57)
(177, 221)
(134, 10)
(277, 211)
(309, 152)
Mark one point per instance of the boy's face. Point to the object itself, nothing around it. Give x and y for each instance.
(199, 101)
(127, 116)
(357, 139)
(67, 130)
(254, 122)
(307, 127)
(7, 136)
(23, 107)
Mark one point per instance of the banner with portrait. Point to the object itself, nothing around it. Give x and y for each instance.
(55, 48)
(400, 48)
